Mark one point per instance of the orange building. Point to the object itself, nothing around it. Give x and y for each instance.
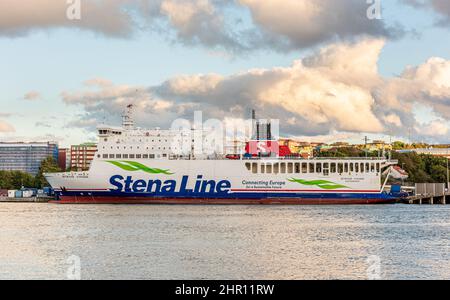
(82, 156)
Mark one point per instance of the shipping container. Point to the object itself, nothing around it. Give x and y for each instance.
(32, 192)
(11, 193)
(18, 194)
(27, 194)
(3, 193)
(47, 190)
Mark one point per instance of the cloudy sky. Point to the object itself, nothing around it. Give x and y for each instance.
(322, 67)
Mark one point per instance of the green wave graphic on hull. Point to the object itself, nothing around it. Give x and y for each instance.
(133, 166)
(323, 184)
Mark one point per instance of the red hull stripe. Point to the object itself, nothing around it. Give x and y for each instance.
(268, 201)
(293, 191)
(248, 190)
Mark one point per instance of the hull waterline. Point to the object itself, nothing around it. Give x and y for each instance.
(212, 201)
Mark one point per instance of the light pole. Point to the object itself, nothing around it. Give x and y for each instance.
(448, 180)
(403, 168)
(366, 139)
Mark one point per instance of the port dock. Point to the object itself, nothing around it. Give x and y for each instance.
(26, 200)
(428, 199)
(429, 193)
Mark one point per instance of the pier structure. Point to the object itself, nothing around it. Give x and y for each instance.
(430, 193)
(26, 200)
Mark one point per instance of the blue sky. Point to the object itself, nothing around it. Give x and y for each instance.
(49, 60)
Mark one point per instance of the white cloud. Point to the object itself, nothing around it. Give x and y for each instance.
(433, 129)
(197, 21)
(193, 84)
(28, 139)
(108, 17)
(216, 24)
(6, 127)
(43, 124)
(337, 90)
(435, 70)
(102, 98)
(440, 7)
(101, 82)
(310, 22)
(393, 119)
(32, 95)
(322, 91)
(428, 84)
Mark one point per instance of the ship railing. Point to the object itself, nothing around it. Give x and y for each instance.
(320, 158)
(285, 158)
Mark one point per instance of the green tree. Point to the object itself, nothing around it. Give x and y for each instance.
(16, 180)
(439, 173)
(48, 165)
(397, 145)
(5, 180)
(423, 168)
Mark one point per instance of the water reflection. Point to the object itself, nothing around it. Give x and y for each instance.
(224, 242)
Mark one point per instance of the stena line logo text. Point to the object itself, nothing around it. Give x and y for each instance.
(201, 186)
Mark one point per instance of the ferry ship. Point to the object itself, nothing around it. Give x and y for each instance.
(139, 166)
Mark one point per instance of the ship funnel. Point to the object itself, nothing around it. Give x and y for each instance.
(261, 129)
(255, 126)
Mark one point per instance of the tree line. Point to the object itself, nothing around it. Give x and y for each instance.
(15, 180)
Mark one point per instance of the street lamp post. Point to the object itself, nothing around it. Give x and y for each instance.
(403, 168)
(448, 179)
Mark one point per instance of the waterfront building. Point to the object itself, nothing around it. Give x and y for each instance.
(303, 149)
(26, 157)
(81, 156)
(63, 158)
(377, 146)
(340, 145)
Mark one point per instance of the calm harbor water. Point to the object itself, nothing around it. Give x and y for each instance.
(224, 242)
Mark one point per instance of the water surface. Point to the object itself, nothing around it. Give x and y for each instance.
(224, 242)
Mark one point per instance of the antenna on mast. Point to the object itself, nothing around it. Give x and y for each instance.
(127, 118)
(366, 140)
(255, 126)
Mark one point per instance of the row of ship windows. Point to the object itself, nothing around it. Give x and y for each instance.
(153, 141)
(131, 156)
(108, 131)
(325, 168)
(153, 148)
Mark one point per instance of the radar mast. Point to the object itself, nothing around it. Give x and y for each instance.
(127, 118)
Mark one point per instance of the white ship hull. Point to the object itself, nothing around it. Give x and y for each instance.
(223, 182)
